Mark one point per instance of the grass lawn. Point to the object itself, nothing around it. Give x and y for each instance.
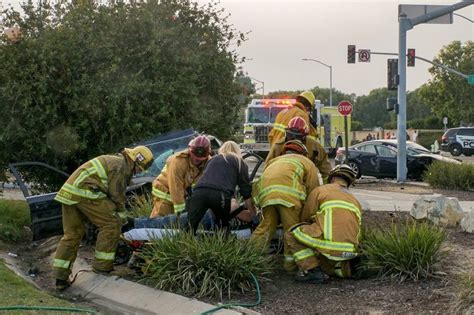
(14, 215)
(16, 291)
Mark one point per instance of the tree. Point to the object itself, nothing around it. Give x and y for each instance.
(448, 94)
(87, 79)
(371, 109)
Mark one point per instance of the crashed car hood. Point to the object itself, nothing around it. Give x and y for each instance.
(439, 158)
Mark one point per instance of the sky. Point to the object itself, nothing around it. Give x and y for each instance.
(283, 32)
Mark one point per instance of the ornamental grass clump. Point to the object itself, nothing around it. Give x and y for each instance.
(141, 205)
(209, 264)
(407, 250)
(464, 291)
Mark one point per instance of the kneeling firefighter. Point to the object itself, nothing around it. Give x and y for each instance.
(326, 244)
(95, 192)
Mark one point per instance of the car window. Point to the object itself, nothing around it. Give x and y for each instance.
(369, 148)
(386, 151)
(415, 148)
(466, 132)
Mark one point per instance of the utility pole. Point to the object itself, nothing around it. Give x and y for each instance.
(405, 24)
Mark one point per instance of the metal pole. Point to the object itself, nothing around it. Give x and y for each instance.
(346, 140)
(330, 86)
(263, 89)
(330, 76)
(402, 98)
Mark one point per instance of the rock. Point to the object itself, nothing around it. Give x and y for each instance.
(467, 223)
(441, 210)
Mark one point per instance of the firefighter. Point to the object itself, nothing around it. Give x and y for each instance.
(182, 170)
(297, 129)
(95, 192)
(281, 192)
(327, 239)
(302, 108)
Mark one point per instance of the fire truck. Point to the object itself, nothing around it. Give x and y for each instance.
(260, 116)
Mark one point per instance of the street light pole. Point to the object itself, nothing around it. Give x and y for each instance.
(330, 76)
(263, 86)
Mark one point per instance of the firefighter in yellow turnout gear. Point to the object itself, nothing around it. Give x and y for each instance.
(182, 171)
(281, 192)
(327, 239)
(303, 106)
(96, 192)
(297, 129)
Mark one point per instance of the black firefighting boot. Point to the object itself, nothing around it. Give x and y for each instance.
(315, 275)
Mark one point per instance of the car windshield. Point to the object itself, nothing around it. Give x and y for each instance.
(258, 115)
(274, 112)
(162, 150)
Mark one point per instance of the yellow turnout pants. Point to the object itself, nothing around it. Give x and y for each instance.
(102, 214)
(272, 215)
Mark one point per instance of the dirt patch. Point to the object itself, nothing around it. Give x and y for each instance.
(412, 188)
(282, 295)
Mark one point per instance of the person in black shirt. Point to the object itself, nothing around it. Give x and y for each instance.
(216, 187)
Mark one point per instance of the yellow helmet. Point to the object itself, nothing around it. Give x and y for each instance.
(307, 96)
(140, 155)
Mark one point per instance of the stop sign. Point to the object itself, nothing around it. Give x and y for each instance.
(344, 108)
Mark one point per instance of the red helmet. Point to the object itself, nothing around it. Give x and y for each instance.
(295, 146)
(200, 147)
(297, 129)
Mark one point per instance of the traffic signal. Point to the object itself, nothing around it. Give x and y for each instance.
(351, 53)
(392, 74)
(411, 57)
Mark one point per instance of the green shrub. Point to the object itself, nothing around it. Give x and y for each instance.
(14, 215)
(450, 176)
(407, 251)
(141, 205)
(204, 265)
(427, 137)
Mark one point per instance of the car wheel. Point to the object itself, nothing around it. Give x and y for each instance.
(455, 149)
(356, 167)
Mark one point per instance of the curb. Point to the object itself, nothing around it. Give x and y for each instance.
(127, 297)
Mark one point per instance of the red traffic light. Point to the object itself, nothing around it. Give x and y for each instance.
(411, 57)
(351, 53)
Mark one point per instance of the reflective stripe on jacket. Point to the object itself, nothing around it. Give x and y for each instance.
(284, 117)
(336, 216)
(178, 174)
(286, 181)
(102, 177)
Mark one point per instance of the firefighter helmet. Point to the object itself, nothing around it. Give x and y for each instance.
(140, 155)
(200, 148)
(344, 171)
(307, 98)
(295, 146)
(298, 126)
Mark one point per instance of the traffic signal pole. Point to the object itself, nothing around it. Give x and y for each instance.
(402, 101)
(405, 24)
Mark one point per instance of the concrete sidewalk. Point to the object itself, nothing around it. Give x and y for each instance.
(394, 201)
(127, 297)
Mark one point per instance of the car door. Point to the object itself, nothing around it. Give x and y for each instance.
(46, 215)
(387, 161)
(366, 154)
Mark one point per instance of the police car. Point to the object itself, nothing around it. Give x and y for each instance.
(458, 141)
